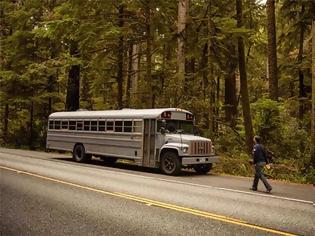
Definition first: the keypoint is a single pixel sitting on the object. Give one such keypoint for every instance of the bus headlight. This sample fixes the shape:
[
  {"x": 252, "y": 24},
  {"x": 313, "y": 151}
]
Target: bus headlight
[{"x": 185, "y": 149}]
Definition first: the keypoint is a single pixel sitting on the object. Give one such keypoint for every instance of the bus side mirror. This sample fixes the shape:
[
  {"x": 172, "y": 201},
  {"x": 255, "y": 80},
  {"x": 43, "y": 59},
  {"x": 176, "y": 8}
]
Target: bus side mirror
[
  {"x": 163, "y": 127},
  {"x": 162, "y": 130}
]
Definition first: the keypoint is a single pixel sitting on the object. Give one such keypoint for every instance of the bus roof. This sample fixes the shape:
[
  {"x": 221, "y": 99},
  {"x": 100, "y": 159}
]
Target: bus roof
[{"x": 115, "y": 114}]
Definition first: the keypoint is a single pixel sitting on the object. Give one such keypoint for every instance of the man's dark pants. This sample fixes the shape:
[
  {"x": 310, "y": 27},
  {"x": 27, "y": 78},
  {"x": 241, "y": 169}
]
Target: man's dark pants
[{"x": 260, "y": 175}]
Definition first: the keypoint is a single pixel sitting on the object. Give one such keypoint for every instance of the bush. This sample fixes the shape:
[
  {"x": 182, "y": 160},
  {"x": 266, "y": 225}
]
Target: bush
[{"x": 281, "y": 134}]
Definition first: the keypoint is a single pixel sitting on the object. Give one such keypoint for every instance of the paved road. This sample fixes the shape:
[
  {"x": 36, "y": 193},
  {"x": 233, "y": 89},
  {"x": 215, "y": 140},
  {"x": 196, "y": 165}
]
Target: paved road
[{"x": 46, "y": 193}]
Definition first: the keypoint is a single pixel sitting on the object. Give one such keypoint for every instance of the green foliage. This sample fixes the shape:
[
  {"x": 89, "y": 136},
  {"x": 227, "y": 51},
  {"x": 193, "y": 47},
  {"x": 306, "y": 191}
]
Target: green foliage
[
  {"x": 280, "y": 132},
  {"x": 36, "y": 37}
]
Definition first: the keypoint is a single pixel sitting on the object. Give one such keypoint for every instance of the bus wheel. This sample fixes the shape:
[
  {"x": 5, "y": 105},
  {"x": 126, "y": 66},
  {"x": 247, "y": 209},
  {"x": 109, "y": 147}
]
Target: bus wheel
[
  {"x": 79, "y": 154},
  {"x": 170, "y": 163},
  {"x": 109, "y": 160},
  {"x": 203, "y": 169}
]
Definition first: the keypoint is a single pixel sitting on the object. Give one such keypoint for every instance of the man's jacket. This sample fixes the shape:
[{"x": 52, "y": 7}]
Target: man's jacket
[{"x": 259, "y": 154}]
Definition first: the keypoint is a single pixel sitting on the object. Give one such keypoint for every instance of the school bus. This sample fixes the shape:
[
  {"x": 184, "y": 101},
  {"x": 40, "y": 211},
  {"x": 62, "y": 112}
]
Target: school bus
[{"x": 159, "y": 138}]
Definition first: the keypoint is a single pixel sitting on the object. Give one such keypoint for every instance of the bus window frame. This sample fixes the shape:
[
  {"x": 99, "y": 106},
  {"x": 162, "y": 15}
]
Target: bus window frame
[
  {"x": 75, "y": 125},
  {"x": 120, "y": 126},
  {"x": 62, "y": 125},
  {"x": 98, "y": 125},
  {"x": 82, "y": 125},
  {"x": 129, "y": 126},
  {"x": 134, "y": 126},
  {"x": 95, "y": 126},
  {"x": 112, "y": 126}
]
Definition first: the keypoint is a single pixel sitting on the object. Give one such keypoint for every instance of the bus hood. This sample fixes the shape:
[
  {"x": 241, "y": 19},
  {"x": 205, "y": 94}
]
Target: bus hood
[{"x": 185, "y": 138}]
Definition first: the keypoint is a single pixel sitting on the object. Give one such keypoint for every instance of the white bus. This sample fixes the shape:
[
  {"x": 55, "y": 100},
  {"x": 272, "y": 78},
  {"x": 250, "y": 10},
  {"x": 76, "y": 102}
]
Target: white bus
[{"x": 159, "y": 138}]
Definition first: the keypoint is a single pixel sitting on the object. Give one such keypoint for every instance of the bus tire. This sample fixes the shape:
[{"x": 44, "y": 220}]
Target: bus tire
[
  {"x": 203, "y": 168},
  {"x": 79, "y": 154},
  {"x": 170, "y": 163}
]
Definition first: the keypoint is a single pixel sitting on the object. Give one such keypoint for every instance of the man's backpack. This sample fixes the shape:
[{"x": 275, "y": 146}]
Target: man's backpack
[{"x": 269, "y": 156}]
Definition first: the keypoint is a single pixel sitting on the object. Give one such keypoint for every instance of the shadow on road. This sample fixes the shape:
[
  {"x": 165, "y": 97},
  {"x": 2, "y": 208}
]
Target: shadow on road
[{"x": 97, "y": 163}]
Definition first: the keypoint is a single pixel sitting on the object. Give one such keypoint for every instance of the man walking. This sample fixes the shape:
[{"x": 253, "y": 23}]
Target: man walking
[{"x": 260, "y": 160}]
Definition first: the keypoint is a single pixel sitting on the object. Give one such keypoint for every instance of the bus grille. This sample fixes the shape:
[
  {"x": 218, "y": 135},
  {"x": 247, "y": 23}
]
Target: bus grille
[{"x": 201, "y": 148}]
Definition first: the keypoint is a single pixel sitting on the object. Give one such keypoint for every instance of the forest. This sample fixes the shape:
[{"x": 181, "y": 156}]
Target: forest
[{"x": 243, "y": 67}]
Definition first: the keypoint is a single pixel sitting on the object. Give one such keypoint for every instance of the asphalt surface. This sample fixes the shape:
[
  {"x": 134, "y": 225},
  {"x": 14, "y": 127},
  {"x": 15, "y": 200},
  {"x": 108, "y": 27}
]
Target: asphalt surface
[{"x": 48, "y": 194}]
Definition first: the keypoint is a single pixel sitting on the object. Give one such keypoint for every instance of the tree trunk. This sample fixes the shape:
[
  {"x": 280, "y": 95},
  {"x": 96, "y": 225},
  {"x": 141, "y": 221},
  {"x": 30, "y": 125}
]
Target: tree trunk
[
  {"x": 272, "y": 50},
  {"x": 85, "y": 93},
  {"x": 230, "y": 97},
  {"x": 6, "y": 123},
  {"x": 52, "y": 80},
  {"x": 73, "y": 87},
  {"x": 129, "y": 77},
  {"x": 120, "y": 58},
  {"x": 313, "y": 94},
  {"x": 31, "y": 137},
  {"x": 50, "y": 89},
  {"x": 181, "y": 27},
  {"x": 203, "y": 68},
  {"x": 148, "y": 53},
  {"x": 243, "y": 81},
  {"x": 136, "y": 60},
  {"x": 207, "y": 114},
  {"x": 211, "y": 78},
  {"x": 230, "y": 87},
  {"x": 164, "y": 68},
  {"x": 190, "y": 64},
  {"x": 302, "y": 93}
]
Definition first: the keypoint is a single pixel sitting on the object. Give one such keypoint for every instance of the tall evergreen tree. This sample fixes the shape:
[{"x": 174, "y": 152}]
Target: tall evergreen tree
[
  {"x": 181, "y": 35},
  {"x": 272, "y": 50},
  {"x": 243, "y": 80},
  {"x": 313, "y": 95}
]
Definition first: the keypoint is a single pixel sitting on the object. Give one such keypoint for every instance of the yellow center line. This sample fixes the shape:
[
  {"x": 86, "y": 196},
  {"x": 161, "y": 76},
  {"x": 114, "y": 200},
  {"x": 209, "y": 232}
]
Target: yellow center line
[{"x": 151, "y": 202}]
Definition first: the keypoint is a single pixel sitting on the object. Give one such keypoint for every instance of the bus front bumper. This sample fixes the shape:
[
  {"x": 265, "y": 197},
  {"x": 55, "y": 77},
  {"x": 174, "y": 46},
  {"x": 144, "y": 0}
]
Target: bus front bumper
[{"x": 200, "y": 160}]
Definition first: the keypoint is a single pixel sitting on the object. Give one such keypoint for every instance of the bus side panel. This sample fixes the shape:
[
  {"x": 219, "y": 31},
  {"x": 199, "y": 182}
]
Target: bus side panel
[
  {"x": 107, "y": 144},
  {"x": 55, "y": 140}
]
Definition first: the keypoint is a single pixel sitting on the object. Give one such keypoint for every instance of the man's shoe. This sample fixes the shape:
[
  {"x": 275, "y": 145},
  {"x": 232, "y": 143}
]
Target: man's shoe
[
  {"x": 253, "y": 189},
  {"x": 269, "y": 190}
]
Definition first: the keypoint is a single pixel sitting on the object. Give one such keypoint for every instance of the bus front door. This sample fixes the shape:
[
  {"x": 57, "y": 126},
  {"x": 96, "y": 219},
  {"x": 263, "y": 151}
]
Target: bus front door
[{"x": 148, "y": 159}]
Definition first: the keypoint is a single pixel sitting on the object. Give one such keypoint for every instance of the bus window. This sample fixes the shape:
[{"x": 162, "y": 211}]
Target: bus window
[
  {"x": 101, "y": 125},
  {"x": 57, "y": 124},
  {"x": 94, "y": 125},
  {"x": 137, "y": 126},
  {"x": 87, "y": 125},
  {"x": 79, "y": 125},
  {"x": 64, "y": 125},
  {"x": 118, "y": 126},
  {"x": 72, "y": 125},
  {"x": 51, "y": 124},
  {"x": 127, "y": 126},
  {"x": 110, "y": 126}
]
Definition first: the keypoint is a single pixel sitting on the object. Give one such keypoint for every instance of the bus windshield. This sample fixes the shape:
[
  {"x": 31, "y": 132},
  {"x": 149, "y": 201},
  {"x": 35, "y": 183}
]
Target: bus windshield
[{"x": 174, "y": 126}]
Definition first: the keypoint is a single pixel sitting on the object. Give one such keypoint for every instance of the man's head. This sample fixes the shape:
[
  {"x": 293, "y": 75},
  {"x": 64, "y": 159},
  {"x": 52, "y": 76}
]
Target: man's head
[{"x": 257, "y": 139}]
